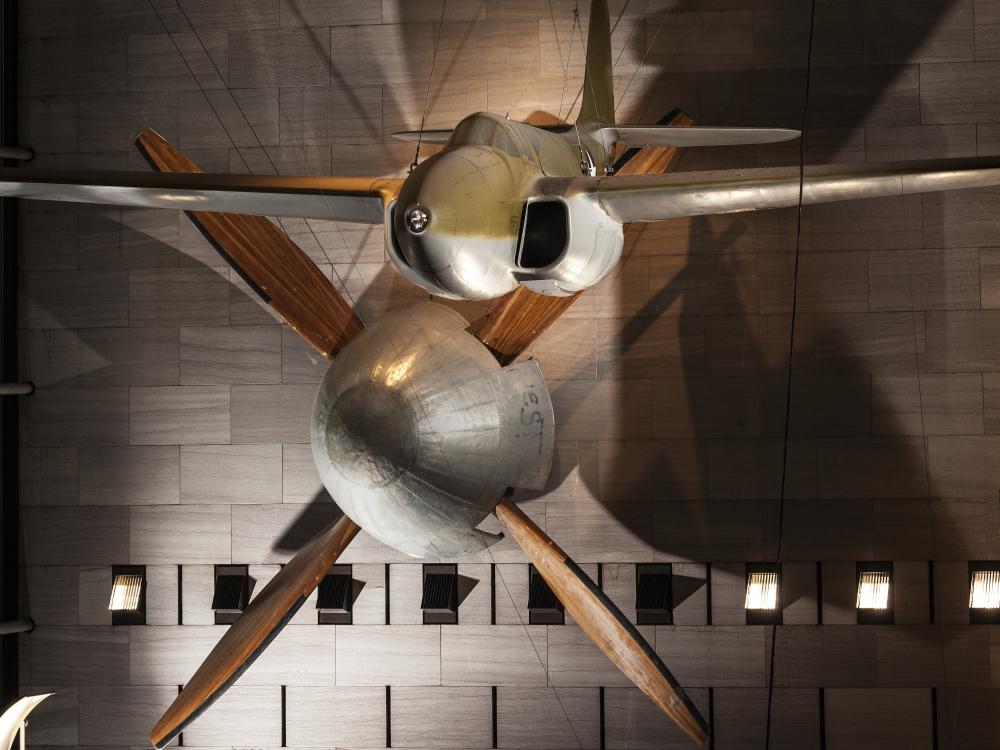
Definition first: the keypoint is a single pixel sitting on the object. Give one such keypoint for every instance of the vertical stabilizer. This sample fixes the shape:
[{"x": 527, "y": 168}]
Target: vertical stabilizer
[{"x": 598, "y": 98}]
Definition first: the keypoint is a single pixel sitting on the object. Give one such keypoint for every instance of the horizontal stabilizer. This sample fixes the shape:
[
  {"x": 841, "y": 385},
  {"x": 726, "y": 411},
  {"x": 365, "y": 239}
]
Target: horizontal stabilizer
[
  {"x": 642, "y": 136},
  {"x": 433, "y": 137},
  {"x": 667, "y": 196},
  {"x": 358, "y": 199}
]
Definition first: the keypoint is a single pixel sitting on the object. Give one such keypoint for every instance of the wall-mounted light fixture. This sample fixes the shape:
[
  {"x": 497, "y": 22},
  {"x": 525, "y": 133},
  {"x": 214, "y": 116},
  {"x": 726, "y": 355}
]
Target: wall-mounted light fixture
[
  {"x": 984, "y": 593},
  {"x": 874, "y": 600},
  {"x": 544, "y": 607},
  {"x": 439, "y": 598},
  {"x": 335, "y": 598},
  {"x": 128, "y": 595},
  {"x": 763, "y": 594},
  {"x": 232, "y": 592},
  {"x": 653, "y": 594}
]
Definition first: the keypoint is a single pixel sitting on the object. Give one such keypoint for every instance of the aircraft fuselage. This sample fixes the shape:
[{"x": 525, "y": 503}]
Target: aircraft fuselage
[{"x": 470, "y": 223}]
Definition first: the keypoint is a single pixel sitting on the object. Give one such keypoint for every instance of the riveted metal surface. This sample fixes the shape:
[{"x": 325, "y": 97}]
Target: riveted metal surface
[{"x": 417, "y": 431}]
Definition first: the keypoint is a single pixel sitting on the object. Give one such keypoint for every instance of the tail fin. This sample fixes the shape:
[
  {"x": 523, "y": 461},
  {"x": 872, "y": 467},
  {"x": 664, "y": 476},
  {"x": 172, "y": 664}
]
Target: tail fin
[{"x": 598, "y": 103}]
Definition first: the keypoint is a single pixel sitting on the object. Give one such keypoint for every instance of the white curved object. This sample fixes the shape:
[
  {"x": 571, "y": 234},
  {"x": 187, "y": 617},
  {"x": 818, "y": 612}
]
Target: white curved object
[{"x": 14, "y": 717}]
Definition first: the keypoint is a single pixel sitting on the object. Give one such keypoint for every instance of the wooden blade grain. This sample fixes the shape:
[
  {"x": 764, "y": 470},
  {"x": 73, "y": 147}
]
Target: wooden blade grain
[
  {"x": 603, "y": 622},
  {"x": 269, "y": 261},
  {"x": 262, "y": 620}
]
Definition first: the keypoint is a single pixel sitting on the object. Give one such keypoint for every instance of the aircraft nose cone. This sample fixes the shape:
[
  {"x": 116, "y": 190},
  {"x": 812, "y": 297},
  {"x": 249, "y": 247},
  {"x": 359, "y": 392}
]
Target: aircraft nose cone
[
  {"x": 456, "y": 223},
  {"x": 371, "y": 434}
]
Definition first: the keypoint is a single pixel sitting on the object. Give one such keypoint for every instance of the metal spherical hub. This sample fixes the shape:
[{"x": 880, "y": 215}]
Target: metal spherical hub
[
  {"x": 371, "y": 435},
  {"x": 417, "y": 431}
]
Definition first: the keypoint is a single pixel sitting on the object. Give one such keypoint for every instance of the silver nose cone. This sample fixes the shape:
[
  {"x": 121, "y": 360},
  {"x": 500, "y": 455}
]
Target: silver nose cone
[{"x": 417, "y": 431}]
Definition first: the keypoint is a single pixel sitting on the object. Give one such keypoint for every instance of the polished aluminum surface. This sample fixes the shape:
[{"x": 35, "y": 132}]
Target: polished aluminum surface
[
  {"x": 657, "y": 197},
  {"x": 641, "y": 136},
  {"x": 344, "y": 199},
  {"x": 469, "y": 200},
  {"x": 417, "y": 432}
]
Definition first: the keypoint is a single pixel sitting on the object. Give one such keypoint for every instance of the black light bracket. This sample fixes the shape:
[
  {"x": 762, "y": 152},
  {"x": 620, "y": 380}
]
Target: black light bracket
[
  {"x": 231, "y": 594},
  {"x": 654, "y": 594},
  {"x": 439, "y": 598},
  {"x": 335, "y": 598},
  {"x": 544, "y": 607}
]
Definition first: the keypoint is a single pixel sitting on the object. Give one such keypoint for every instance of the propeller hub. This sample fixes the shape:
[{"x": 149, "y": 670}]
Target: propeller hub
[
  {"x": 417, "y": 431},
  {"x": 371, "y": 434}
]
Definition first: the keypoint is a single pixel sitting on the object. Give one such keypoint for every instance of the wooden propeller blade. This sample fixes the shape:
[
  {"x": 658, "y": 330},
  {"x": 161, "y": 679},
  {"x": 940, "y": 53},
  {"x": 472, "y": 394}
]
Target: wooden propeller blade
[
  {"x": 603, "y": 622},
  {"x": 262, "y": 620},
  {"x": 273, "y": 265},
  {"x": 515, "y": 320}
]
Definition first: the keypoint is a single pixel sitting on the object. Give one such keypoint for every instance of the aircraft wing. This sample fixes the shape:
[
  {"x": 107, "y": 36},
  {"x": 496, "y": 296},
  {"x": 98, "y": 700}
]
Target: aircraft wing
[
  {"x": 268, "y": 260},
  {"x": 514, "y": 321},
  {"x": 657, "y": 197},
  {"x": 358, "y": 199},
  {"x": 665, "y": 135}
]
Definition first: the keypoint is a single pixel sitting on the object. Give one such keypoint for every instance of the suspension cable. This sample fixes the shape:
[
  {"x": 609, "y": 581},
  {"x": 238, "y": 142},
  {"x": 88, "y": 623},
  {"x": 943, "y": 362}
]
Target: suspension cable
[
  {"x": 430, "y": 80},
  {"x": 642, "y": 60},
  {"x": 791, "y": 354},
  {"x": 253, "y": 132}
]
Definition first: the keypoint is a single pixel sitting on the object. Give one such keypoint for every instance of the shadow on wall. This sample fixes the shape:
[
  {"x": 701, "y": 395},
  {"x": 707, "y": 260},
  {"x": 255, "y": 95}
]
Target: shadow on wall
[
  {"x": 700, "y": 479},
  {"x": 387, "y": 291},
  {"x": 728, "y": 380},
  {"x": 718, "y": 418}
]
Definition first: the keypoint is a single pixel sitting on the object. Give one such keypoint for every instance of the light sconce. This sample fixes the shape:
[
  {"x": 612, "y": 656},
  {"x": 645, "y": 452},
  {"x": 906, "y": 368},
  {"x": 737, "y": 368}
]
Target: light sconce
[
  {"x": 874, "y": 600},
  {"x": 335, "y": 598},
  {"x": 128, "y": 595},
  {"x": 763, "y": 589},
  {"x": 232, "y": 592},
  {"x": 654, "y": 594},
  {"x": 984, "y": 593},
  {"x": 544, "y": 607},
  {"x": 439, "y": 600}
]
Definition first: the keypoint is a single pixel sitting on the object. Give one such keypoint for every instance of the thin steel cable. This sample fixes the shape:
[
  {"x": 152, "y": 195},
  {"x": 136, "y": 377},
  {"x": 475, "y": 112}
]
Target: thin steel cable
[
  {"x": 569, "y": 61},
  {"x": 642, "y": 61},
  {"x": 564, "y": 65},
  {"x": 430, "y": 80},
  {"x": 635, "y": 26},
  {"x": 930, "y": 510},
  {"x": 527, "y": 634},
  {"x": 253, "y": 132},
  {"x": 295, "y": 136},
  {"x": 555, "y": 32},
  {"x": 791, "y": 355}
]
